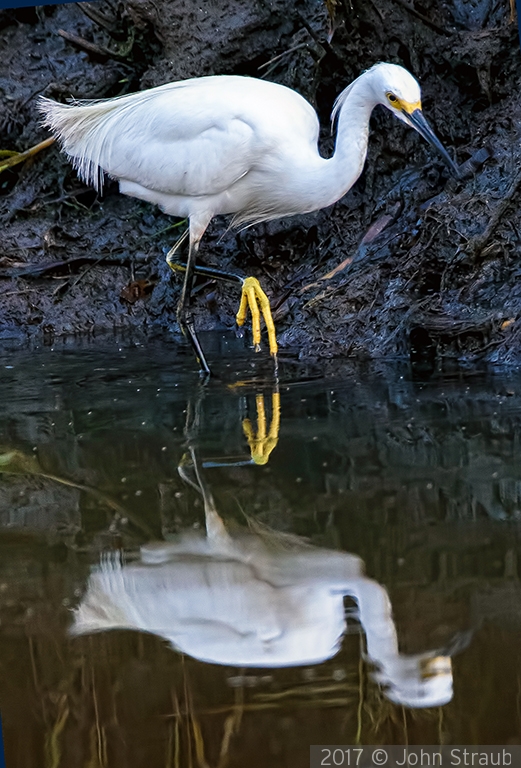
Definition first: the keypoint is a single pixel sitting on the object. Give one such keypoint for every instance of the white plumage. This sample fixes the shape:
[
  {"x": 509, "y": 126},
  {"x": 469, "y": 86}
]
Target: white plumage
[
  {"x": 243, "y": 602},
  {"x": 255, "y": 599},
  {"x": 226, "y": 144},
  {"x": 230, "y": 145}
]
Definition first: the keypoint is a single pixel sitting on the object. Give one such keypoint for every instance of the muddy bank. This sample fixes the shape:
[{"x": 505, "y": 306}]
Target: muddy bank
[{"x": 431, "y": 262}]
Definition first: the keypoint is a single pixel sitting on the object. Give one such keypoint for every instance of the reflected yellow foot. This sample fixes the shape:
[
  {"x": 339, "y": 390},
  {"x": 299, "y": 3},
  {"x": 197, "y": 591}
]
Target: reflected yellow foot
[
  {"x": 263, "y": 444},
  {"x": 254, "y": 297},
  {"x": 435, "y": 666}
]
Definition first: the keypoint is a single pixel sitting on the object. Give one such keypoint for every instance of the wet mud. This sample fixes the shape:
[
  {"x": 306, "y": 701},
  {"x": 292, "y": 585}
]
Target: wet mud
[{"x": 425, "y": 266}]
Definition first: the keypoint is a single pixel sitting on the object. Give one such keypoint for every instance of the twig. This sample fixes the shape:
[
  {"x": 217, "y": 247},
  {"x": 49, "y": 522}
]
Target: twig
[
  {"x": 17, "y": 293},
  {"x": 36, "y": 270},
  {"x": 412, "y": 10},
  {"x": 79, "y": 277},
  {"x": 92, "y": 48},
  {"x": 347, "y": 267},
  {"x": 281, "y": 55},
  {"x": 102, "y": 20},
  {"x": 19, "y": 157},
  {"x": 476, "y": 244},
  {"x": 372, "y": 233}
]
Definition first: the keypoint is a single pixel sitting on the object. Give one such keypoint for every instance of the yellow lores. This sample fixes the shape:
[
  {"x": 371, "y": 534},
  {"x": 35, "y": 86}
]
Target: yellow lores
[{"x": 405, "y": 106}]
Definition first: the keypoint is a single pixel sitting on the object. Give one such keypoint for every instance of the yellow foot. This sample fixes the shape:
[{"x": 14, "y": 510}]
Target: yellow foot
[
  {"x": 254, "y": 297},
  {"x": 263, "y": 444}
]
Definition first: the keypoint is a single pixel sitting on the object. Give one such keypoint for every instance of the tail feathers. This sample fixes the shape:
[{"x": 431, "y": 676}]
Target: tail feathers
[{"x": 83, "y": 131}]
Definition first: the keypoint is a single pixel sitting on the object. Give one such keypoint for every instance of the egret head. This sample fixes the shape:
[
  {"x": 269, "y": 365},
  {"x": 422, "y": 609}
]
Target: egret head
[{"x": 399, "y": 92}]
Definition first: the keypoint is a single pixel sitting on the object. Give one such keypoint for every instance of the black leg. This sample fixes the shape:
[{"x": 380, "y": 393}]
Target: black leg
[
  {"x": 184, "y": 318},
  {"x": 184, "y": 301},
  {"x": 252, "y": 297},
  {"x": 188, "y": 328},
  {"x": 211, "y": 272}
]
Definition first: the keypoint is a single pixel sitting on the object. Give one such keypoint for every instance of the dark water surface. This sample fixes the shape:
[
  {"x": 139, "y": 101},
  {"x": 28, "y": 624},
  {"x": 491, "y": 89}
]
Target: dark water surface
[{"x": 364, "y": 589}]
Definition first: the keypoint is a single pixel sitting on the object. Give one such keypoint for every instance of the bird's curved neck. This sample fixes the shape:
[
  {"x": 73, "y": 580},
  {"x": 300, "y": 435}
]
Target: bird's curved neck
[
  {"x": 336, "y": 175},
  {"x": 353, "y": 126}
]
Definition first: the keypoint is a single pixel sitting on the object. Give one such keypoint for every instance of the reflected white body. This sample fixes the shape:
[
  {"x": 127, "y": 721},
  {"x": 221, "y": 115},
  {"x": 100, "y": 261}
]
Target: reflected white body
[
  {"x": 226, "y": 144},
  {"x": 240, "y": 602}
]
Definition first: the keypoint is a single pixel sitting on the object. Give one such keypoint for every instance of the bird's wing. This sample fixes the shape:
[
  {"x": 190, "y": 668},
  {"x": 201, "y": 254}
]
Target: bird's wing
[
  {"x": 193, "y": 138},
  {"x": 177, "y": 145}
]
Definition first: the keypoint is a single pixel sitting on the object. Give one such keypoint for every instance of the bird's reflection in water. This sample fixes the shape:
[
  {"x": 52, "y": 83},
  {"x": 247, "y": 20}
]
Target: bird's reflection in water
[{"x": 256, "y": 599}]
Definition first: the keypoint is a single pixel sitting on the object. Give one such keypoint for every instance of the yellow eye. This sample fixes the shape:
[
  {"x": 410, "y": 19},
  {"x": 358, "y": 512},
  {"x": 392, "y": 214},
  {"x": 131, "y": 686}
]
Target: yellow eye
[{"x": 392, "y": 98}]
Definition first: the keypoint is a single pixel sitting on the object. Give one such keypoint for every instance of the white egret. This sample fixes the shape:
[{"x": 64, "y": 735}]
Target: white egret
[
  {"x": 231, "y": 145},
  {"x": 248, "y": 600}
]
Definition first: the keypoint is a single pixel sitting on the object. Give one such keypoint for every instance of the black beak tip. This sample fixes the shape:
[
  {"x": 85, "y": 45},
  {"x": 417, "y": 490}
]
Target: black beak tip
[
  {"x": 456, "y": 170},
  {"x": 417, "y": 121},
  {"x": 453, "y": 166}
]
